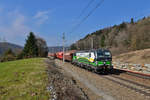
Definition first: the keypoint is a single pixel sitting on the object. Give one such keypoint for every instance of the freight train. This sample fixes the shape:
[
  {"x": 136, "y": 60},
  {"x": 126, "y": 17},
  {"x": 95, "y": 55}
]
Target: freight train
[{"x": 99, "y": 60}]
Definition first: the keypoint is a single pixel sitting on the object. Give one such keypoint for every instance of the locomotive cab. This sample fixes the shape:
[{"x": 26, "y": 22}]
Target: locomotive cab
[{"x": 104, "y": 60}]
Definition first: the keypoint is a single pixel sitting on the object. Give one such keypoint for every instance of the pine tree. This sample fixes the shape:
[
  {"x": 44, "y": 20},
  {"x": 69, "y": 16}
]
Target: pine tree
[
  {"x": 102, "y": 41},
  {"x": 132, "y": 21},
  {"x": 30, "y": 49}
]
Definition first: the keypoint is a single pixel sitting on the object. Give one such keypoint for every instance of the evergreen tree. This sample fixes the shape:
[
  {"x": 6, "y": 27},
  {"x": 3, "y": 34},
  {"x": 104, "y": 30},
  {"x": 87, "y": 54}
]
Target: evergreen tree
[
  {"x": 144, "y": 17},
  {"x": 30, "y": 49},
  {"x": 132, "y": 21},
  {"x": 103, "y": 41}
]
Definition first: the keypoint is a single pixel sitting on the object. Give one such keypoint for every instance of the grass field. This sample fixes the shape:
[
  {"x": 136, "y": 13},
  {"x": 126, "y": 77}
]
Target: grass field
[{"x": 23, "y": 80}]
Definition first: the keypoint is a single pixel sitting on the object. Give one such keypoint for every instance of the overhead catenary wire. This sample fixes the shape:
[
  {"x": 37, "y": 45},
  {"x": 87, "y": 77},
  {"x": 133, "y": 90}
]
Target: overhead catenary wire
[
  {"x": 86, "y": 17},
  {"x": 83, "y": 11}
]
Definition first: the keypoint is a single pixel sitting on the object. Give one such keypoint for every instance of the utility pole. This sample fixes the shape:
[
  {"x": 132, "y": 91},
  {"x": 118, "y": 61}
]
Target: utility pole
[
  {"x": 92, "y": 43},
  {"x": 63, "y": 47}
]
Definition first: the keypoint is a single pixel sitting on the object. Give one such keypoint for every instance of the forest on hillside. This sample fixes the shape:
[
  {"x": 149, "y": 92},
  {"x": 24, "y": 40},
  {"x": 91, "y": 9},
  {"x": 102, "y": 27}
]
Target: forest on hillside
[
  {"x": 4, "y": 46},
  {"x": 118, "y": 38}
]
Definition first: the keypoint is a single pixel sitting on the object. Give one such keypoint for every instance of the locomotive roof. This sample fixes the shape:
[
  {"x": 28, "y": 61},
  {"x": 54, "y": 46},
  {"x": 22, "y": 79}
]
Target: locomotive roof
[{"x": 92, "y": 50}]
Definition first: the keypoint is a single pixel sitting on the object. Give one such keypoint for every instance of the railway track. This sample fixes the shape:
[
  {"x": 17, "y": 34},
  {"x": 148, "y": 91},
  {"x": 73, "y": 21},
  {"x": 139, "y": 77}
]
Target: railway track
[
  {"x": 137, "y": 87},
  {"x": 141, "y": 85},
  {"x": 138, "y": 75},
  {"x": 140, "y": 88},
  {"x": 115, "y": 83}
]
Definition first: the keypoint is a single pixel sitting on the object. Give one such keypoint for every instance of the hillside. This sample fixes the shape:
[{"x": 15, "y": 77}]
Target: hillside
[
  {"x": 119, "y": 38},
  {"x": 4, "y": 46},
  {"x": 138, "y": 61},
  {"x": 136, "y": 57}
]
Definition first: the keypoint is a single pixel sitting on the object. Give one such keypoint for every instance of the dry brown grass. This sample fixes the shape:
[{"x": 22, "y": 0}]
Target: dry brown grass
[{"x": 137, "y": 57}]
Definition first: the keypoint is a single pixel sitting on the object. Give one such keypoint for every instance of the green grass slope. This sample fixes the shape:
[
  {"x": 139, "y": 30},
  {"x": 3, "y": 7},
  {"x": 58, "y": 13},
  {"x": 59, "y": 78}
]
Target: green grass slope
[{"x": 23, "y": 80}]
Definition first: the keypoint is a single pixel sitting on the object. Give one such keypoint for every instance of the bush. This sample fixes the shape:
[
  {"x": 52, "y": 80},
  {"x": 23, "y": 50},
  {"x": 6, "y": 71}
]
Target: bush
[
  {"x": 122, "y": 26},
  {"x": 8, "y": 56},
  {"x": 20, "y": 56},
  {"x": 0, "y": 59}
]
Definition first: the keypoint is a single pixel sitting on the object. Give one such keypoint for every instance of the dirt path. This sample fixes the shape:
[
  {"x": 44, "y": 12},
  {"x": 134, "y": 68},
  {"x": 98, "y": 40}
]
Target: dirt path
[{"x": 105, "y": 87}]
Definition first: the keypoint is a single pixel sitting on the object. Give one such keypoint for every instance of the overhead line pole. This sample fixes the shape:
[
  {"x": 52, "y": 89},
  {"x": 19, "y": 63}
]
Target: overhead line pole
[
  {"x": 63, "y": 47},
  {"x": 92, "y": 44}
]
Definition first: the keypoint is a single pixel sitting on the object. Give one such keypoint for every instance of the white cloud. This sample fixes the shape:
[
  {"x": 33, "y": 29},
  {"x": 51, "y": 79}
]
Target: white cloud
[
  {"x": 15, "y": 26},
  {"x": 16, "y": 29},
  {"x": 41, "y": 17},
  {"x": 41, "y": 14}
]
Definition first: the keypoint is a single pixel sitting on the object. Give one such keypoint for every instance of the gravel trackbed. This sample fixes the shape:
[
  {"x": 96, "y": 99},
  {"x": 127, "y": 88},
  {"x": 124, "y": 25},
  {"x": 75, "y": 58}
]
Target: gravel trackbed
[{"x": 118, "y": 86}]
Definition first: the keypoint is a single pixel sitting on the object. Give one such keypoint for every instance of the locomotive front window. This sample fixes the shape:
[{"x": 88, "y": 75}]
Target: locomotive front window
[
  {"x": 108, "y": 54},
  {"x": 100, "y": 54}
]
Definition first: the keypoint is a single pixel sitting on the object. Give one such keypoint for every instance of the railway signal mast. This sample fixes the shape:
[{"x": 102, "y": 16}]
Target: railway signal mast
[{"x": 63, "y": 47}]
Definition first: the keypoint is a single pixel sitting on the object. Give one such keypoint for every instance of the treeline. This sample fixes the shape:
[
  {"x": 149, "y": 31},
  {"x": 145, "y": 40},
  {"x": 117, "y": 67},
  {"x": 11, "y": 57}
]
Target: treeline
[
  {"x": 34, "y": 47},
  {"x": 118, "y": 38}
]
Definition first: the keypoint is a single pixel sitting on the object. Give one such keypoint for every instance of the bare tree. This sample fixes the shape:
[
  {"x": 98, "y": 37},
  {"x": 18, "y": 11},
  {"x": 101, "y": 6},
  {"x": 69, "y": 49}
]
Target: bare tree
[{"x": 42, "y": 47}]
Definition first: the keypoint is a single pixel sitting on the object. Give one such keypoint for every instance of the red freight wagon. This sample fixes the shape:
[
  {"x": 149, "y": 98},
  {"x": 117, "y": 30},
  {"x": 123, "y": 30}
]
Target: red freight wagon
[
  {"x": 59, "y": 55},
  {"x": 68, "y": 55},
  {"x": 51, "y": 55}
]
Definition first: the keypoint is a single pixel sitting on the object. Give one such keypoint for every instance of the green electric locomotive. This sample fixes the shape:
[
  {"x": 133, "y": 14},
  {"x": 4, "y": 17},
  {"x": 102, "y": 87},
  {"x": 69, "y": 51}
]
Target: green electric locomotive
[{"x": 97, "y": 60}]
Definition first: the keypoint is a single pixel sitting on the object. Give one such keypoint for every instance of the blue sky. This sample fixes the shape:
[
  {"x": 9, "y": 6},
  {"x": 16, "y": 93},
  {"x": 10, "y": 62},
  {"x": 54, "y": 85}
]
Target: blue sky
[{"x": 50, "y": 18}]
